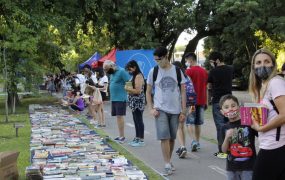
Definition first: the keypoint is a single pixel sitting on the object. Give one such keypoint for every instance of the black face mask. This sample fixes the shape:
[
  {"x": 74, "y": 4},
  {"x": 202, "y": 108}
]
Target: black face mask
[
  {"x": 131, "y": 73},
  {"x": 110, "y": 71},
  {"x": 263, "y": 72}
]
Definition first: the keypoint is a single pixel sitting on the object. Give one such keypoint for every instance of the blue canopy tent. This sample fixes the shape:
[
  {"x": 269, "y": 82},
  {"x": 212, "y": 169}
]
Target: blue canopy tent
[
  {"x": 95, "y": 57},
  {"x": 144, "y": 59}
]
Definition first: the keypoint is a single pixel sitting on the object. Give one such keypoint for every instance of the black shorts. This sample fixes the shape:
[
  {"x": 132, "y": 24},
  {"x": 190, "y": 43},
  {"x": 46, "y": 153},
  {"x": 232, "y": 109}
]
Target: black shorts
[
  {"x": 119, "y": 108},
  {"x": 104, "y": 96}
]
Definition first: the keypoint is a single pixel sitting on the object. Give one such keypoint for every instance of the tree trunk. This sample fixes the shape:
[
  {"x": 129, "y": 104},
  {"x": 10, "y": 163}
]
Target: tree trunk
[
  {"x": 13, "y": 101},
  {"x": 191, "y": 46}
]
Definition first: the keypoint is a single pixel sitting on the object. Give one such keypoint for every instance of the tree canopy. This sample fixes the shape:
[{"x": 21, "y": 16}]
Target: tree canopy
[{"x": 46, "y": 36}]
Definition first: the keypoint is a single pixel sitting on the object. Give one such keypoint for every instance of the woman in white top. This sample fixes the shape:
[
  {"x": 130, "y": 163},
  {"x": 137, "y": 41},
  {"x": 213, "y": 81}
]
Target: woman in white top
[
  {"x": 102, "y": 85},
  {"x": 268, "y": 88},
  {"x": 102, "y": 80}
]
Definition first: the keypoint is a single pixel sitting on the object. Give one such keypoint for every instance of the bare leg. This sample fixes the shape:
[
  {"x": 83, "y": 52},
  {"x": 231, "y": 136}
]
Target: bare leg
[
  {"x": 103, "y": 115},
  {"x": 121, "y": 125},
  {"x": 171, "y": 146},
  {"x": 191, "y": 131},
  {"x": 194, "y": 132},
  {"x": 181, "y": 134},
  {"x": 165, "y": 148},
  {"x": 197, "y": 132},
  {"x": 99, "y": 112}
]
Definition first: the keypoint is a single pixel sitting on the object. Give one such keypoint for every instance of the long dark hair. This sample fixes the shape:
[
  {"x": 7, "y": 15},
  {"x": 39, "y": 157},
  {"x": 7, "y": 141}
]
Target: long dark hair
[
  {"x": 100, "y": 71},
  {"x": 133, "y": 64}
]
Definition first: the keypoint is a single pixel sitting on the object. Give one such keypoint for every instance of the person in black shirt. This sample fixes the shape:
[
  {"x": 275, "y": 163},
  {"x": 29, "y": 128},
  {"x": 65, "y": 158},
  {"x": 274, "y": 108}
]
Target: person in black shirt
[
  {"x": 238, "y": 141},
  {"x": 220, "y": 83}
]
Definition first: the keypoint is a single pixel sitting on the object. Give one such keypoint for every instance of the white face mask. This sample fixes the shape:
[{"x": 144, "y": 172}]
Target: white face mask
[{"x": 187, "y": 64}]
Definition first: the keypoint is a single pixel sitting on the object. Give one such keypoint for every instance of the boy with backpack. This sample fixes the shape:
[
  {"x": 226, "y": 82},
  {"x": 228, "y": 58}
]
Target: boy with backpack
[
  {"x": 239, "y": 141},
  {"x": 195, "y": 119},
  {"x": 190, "y": 103}
]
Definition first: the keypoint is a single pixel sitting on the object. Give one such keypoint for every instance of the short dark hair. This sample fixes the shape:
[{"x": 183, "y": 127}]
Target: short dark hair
[
  {"x": 191, "y": 55},
  {"x": 216, "y": 55},
  {"x": 227, "y": 97},
  {"x": 160, "y": 51}
]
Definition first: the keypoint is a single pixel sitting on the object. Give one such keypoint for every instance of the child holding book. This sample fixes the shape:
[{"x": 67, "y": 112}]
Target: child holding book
[{"x": 238, "y": 141}]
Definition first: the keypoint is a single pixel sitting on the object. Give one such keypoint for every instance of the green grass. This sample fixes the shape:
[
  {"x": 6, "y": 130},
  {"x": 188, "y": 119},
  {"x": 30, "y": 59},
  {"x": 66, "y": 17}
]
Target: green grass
[
  {"x": 209, "y": 117},
  {"x": 9, "y": 141}
]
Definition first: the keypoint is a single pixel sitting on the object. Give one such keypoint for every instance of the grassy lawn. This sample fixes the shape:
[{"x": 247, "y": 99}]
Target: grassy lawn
[{"x": 9, "y": 141}]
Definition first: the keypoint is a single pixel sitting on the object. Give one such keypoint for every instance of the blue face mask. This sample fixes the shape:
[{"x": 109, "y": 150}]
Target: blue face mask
[
  {"x": 263, "y": 72},
  {"x": 131, "y": 73}
]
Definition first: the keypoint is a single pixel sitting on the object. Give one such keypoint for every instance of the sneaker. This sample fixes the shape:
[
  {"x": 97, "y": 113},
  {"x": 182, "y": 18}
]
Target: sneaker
[
  {"x": 133, "y": 141},
  {"x": 172, "y": 167},
  {"x": 194, "y": 146},
  {"x": 183, "y": 152},
  {"x": 120, "y": 140},
  {"x": 178, "y": 151},
  {"x": 221, "y": 155},
  {"x": 198, "y": 146},
  {"x": 138, "y": 143},
  {"x": 167, "y": 170}
]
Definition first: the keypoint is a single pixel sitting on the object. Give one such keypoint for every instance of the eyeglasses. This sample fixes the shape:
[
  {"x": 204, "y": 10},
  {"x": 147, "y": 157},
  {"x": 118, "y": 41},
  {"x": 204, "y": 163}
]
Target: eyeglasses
[{"x": 158, "y": 59}]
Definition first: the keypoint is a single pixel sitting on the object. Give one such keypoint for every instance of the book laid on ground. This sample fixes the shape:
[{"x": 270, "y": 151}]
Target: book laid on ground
[{"x": 250, "y": 111}]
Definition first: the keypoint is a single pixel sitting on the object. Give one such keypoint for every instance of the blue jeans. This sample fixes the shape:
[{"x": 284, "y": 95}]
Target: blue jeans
[
  {"x": 239, "y": 175},
  {"x": 220, "y": 121},
  {"x": 139, "y": 125}
]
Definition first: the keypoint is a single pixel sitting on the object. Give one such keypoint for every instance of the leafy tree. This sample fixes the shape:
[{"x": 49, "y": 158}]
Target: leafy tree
[{"x": 241, "y": 37}]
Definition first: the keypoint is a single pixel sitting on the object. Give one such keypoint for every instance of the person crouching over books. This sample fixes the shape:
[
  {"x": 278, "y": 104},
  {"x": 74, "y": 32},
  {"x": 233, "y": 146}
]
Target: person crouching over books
[
  {"x": 95, "y": 104},
  {"x": 77, "y": 103},
  {"x": 239, "y": 141}
]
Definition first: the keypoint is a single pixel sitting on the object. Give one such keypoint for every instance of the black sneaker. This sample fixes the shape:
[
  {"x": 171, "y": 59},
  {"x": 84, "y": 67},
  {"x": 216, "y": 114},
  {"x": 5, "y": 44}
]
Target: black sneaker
[
  {"x": 183, "y": 152},
  {"x": 178, "y": 151}
]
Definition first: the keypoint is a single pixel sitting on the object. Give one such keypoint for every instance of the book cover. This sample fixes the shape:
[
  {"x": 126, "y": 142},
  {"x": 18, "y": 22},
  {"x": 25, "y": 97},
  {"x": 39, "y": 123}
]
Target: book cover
[{"x": 252, "y": 111}]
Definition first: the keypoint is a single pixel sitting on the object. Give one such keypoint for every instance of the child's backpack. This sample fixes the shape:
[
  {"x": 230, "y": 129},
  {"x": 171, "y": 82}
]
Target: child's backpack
[{"x": 191, "y": 96}]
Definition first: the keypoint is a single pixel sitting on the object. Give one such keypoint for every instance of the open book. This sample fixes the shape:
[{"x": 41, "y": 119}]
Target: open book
[{"x": 251, "y": 111}]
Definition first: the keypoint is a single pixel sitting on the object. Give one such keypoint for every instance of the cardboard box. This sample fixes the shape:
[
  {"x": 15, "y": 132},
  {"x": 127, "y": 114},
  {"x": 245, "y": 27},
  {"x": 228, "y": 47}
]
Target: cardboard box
[{"x": 8, "y": 165}]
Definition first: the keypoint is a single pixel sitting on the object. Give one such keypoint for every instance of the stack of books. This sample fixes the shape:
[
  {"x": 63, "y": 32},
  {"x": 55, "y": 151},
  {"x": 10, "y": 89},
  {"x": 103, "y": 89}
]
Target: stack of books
[{"x": 62, "y": 147}]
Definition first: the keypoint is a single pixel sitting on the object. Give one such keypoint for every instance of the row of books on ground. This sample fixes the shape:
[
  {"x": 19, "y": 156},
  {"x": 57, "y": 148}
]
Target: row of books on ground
[{"x": 62, "y": 147}]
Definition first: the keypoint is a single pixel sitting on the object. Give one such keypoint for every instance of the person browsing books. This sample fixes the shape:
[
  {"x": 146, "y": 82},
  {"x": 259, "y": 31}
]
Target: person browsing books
[
  {"x": 268, "y": 88},
  {"x": 238, "y": 141},
  {"x": 136, "y": 101}
]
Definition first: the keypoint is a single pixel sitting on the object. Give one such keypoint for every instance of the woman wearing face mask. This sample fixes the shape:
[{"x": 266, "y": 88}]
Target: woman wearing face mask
[
  {"x": 136, "y": 101},
  {"x": 269, "y": 89}
]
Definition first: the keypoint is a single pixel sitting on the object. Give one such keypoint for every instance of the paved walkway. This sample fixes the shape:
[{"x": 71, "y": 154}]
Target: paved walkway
[{"x": 200, "y": 165}]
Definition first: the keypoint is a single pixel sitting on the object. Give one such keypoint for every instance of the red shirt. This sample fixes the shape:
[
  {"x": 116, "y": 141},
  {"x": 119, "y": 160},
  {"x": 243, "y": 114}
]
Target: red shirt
[{"x": 199, "y": 77}]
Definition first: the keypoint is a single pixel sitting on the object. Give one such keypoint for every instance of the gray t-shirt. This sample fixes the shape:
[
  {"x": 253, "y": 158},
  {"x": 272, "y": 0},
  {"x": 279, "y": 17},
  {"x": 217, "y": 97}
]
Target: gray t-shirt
[{"x": 167, "y": 96}]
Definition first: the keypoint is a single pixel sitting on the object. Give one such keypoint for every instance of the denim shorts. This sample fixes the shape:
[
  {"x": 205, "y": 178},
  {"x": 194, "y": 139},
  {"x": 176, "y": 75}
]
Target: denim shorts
[
  {"x": 233, "y": 175},
  {"x": 119, "y": 108},
  {"x": 196, "y": 117},
  {"x": 166, "y": 125}
]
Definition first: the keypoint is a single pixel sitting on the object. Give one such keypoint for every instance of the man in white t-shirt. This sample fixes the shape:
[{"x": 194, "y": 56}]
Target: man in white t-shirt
[{"x": 168, "y": 105}]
